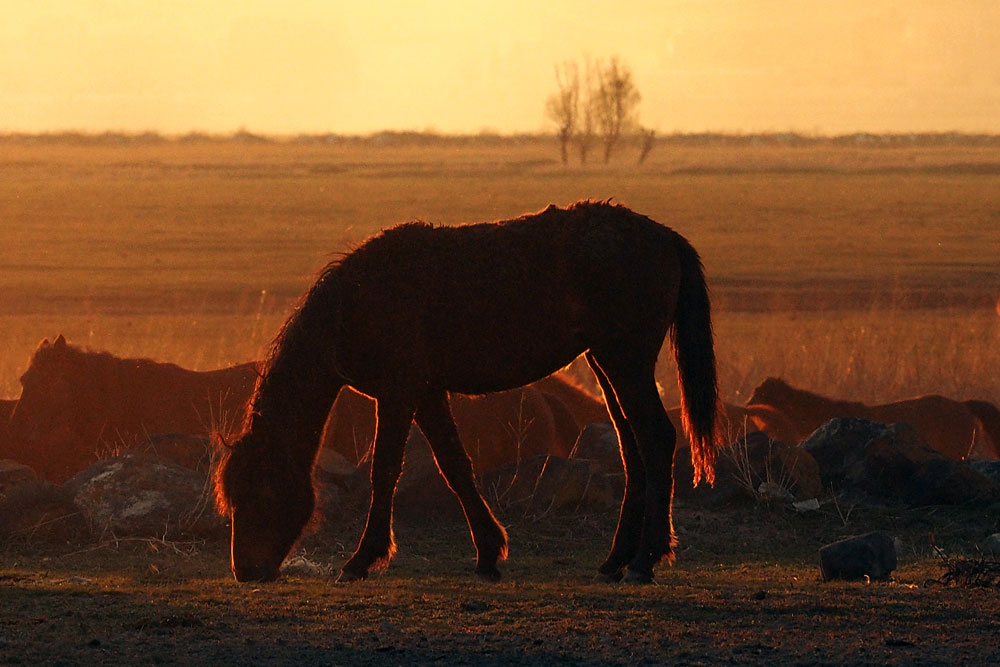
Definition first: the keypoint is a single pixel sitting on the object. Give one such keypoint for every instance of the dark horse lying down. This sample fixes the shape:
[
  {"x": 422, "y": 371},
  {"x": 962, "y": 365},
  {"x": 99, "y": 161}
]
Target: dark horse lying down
[{"x": 419, "y": 311}]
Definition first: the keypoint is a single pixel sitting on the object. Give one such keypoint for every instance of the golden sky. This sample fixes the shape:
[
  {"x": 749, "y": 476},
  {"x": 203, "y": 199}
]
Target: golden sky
[{"x": 463, "y": 66}]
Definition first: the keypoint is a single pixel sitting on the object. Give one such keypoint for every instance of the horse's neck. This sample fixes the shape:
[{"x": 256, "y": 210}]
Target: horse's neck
[{"x": 294, "y": 405}]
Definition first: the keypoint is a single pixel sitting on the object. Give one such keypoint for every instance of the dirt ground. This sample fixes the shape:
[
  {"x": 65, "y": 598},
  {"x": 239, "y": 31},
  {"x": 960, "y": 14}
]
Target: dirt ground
[{"x": 746, "y": 589}]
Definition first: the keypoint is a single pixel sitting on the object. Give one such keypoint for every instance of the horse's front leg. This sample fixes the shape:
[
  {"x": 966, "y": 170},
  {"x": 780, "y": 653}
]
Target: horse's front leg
[{"x": 377, "y": 545}]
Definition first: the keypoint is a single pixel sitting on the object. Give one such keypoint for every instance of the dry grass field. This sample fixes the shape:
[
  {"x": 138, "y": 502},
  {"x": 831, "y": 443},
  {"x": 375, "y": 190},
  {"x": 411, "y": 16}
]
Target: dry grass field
[{"x": 857, "y": 271}]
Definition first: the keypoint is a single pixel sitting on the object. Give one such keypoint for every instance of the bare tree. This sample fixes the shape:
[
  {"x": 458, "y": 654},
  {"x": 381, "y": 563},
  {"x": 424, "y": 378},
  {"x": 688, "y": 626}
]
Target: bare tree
[
  {"x": 585, "y": 131},
  {"x": 616, "y": 102},
  {"x": 562, "y": 107},
  {"x": 647, "y": 137}
]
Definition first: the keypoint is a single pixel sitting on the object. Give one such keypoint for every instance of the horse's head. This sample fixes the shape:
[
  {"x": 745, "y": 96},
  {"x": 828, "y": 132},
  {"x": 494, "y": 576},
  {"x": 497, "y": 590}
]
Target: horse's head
[
  {"x": 772, "y": 391},
  {"x": 268, "y": 506},
  {"x": 49, "y": 398}
]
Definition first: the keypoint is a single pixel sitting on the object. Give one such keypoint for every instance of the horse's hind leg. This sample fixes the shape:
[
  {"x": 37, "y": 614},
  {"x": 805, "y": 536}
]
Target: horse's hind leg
[
  {"x": 626, "y": 540},
  {"x": 631, "y": 377},
  {"x": 377, "y": 545},
  {"x": 435, "y": 420}
]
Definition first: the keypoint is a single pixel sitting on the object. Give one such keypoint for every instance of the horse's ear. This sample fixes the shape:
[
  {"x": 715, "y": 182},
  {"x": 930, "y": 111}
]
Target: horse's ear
[{"x": 60, "y": 341}]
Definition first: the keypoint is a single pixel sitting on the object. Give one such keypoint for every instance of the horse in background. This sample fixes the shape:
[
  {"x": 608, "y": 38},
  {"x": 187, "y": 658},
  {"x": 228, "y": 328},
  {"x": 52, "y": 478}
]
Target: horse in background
[
  {"x": 6, "y": 409},
  {"x": 418, "y": 312},
  {"x": 77, "y": 405},
  {"x": 956, "y": 429}
]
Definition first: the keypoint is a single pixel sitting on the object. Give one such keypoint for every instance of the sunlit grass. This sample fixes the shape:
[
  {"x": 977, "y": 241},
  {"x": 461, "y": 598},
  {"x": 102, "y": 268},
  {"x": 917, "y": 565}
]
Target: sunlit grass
[{"x": 194, "y": 253}]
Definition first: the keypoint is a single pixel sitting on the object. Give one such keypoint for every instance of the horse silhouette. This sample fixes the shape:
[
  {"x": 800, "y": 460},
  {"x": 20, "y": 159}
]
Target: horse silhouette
[
  {"x": 419, "y": 311},
  {"x": 956, "y": 429},
  {"x": 77, "y": 404}
]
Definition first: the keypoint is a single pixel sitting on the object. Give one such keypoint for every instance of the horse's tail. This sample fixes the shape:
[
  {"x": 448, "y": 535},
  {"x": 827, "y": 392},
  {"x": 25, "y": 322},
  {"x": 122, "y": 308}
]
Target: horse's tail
[
  {"x": 989, "y": 416},
  {"x": 692, "y": 339}
]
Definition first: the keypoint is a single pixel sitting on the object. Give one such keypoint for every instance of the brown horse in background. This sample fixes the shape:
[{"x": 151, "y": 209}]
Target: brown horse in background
[
  {"x": 6, "y": 409},
  {"x": 952, "y": 427},
  {"x": 419, "y": 311},
  {"x": 76, "y": 405}
]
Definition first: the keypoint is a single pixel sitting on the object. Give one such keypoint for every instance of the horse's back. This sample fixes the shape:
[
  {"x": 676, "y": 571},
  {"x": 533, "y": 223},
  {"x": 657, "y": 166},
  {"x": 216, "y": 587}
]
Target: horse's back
[
  {"x": 491, "y": 306},
  {"x": 946, "y": 424}
]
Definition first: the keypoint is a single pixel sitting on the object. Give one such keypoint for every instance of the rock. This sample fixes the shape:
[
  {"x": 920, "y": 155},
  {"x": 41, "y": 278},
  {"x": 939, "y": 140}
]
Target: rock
[
  {"x": 838, "y": 444},
  {"x": 872, "y": 555},
  {"x": 335, "y": 479},
  {"x": 992, "y": 546},
  {"x": 141, "y": 496},
  {"x": 333, "y": 464},
  {"x": 551, "y": 485},
  {"x": 810, "y": 505},
  {"x": 599, "y": 442},
  {"x": 13, "y": 474},
  {"x": 35, "y": 510},
  {"x": 988, "y": 469},
  {"x": 898, "y": 466},
  {"x": 421, "y": 487},
  {"x": 754, "y": 466}
]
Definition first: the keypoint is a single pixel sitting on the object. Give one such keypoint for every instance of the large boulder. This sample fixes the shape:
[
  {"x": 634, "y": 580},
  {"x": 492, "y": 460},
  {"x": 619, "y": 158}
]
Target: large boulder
[
  {"x": 872, "y": 555},
  {"x": 32, "y": 509},
  {"x": 839, "y": 444},
  {"x": 599, "y": 442},
  {"x": 992, "y": 546},
  {"x": 545, "y": 485},
  {"x": 421, "y": 487},
  {"x": 142, "y": 496},
  {"x": 898, "y": 466},
  {"x": 988, "y": 469}
]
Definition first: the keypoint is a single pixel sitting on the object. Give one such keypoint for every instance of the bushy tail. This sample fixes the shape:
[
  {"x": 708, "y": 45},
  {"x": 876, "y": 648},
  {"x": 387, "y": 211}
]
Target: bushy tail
[
  {"x": 692, "y": 339},
  {"x": 989, "y": 416}
]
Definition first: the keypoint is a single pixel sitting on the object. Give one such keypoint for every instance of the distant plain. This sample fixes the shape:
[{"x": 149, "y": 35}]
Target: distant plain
[{"x": 855, "y": 270}]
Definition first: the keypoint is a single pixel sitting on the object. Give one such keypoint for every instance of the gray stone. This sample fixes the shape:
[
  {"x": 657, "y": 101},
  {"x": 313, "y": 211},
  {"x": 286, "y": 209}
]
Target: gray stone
[
  {"x": 992, "y": 546},
  {"x": 34, "y": 510},
  {"x": 988, "y": 469},
  {"x": 599, "y": 442},
  {"x": 543, "y": 485},
  {"x": 872, "y": 555},
  {"x": 898, "y": 466},
  {"x": 141, "y": 496},
  {"x": 838, "y": 444}
]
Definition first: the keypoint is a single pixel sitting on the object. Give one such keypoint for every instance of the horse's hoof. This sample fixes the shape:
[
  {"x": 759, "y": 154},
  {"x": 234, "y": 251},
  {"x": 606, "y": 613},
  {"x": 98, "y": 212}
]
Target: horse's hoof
[
  {"x": 347, "y": 576},
  {"x": 488, "y": 573},
  {"x": 636, "y": 577},
  {"x": 608, "y": 577}
]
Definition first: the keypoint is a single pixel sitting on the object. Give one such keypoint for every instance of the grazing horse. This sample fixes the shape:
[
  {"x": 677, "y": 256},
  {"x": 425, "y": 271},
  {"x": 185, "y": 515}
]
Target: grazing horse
[
  {"x": 953, "y": 428},
  {"x": 419, "y": 311},
  {"x": 78, "y": 403}
]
